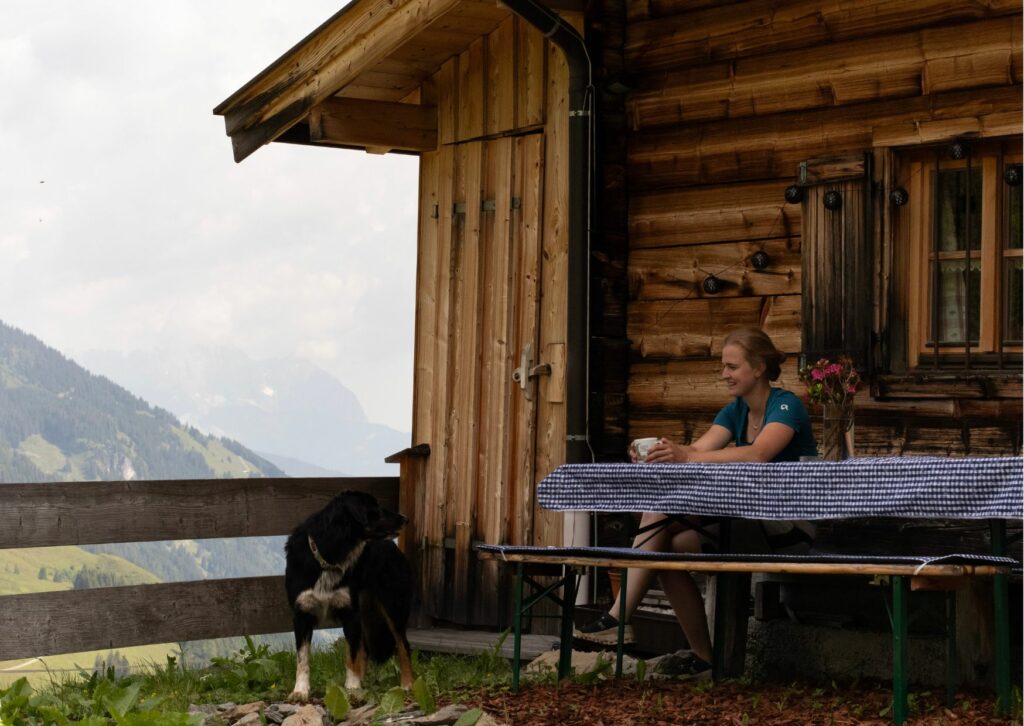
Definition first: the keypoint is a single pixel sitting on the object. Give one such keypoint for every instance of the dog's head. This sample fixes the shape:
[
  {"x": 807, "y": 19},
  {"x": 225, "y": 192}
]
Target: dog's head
[{"x": 359, "y": 516}]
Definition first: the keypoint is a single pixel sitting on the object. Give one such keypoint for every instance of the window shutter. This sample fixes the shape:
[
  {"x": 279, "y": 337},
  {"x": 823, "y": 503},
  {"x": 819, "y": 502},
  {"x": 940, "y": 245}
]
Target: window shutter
[{"x": 836, "y": 255}]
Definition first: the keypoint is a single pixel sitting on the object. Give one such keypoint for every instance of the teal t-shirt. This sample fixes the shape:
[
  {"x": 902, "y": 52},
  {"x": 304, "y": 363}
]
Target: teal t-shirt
[{"x": 782, "y": 407}]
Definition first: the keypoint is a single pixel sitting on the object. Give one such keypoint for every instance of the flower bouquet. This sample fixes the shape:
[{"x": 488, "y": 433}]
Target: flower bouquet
[{"x": 833, "y": 384}]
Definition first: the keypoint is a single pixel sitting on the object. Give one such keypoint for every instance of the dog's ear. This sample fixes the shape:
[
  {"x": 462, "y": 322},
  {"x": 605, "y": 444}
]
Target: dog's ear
[{"x": 357, "y": 510}]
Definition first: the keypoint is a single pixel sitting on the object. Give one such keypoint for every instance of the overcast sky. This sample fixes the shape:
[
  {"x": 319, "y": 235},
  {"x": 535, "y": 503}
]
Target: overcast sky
[{"x": 126, "y": 225}]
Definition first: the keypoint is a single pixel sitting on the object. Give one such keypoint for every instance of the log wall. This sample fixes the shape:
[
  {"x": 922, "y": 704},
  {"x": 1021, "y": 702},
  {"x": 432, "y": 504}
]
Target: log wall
[{"x": 728, "y": 99}]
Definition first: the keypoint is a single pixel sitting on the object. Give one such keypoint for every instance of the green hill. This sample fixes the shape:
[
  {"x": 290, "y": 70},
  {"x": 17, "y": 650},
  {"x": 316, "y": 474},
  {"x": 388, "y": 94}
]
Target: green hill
[
  {"x": 62, "y": 423},
  {"x": 45, "y": 569}
]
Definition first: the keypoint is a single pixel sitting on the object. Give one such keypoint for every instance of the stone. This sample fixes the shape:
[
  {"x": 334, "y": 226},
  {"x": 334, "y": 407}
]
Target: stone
[
  {"x": 250, "y": 719},
  {"x": 278, "y": 712},
  {"x": 582, "y": 662},
  {"x": 488, "y": 720},
  {"x": 360, "y": 716},
  {"x": 207, "y": 712},
  {"x": 233, "y": 714},
  {"x": 447, "y": 715},
  {"x": 308, "y": 715}
]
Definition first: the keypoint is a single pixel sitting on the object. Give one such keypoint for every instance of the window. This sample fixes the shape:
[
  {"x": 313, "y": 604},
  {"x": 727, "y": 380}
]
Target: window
[{"x": 963, "y": 228}]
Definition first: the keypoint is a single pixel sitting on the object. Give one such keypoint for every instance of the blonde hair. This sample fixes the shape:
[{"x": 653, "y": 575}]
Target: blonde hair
[{"x": 758, "y": 348}]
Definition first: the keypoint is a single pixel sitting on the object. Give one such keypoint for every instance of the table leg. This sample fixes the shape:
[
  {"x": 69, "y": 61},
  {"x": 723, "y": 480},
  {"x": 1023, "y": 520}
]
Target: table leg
[
  {"x": 732, "y": 601},
  {"x": 899, "y": 649},
  {"x": 517, "y": 638},
  {"x": 951, "y": 659},
  {"x": 1001, "y": 596}
]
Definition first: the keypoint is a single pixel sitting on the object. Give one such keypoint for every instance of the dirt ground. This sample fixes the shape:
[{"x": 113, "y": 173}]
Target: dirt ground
[{"x": 625, "y": 702}]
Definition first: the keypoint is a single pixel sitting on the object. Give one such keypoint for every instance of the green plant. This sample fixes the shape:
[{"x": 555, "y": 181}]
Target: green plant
[
  {"x": 393, "y": 701},
  {"x": 251, "y": 668},
  {"x": 602, "y": 669},
  {"x": 94, "y": 702},
  {"x": 423, "y": 696},
  {"x": 470, "y": 717},
  {"x": 641, "y": 670},
  {"x": 336, "y": 701}
]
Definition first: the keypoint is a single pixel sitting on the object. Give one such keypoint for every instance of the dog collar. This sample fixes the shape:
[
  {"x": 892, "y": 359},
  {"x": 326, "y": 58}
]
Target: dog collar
[{"x": 324, "y": 564}]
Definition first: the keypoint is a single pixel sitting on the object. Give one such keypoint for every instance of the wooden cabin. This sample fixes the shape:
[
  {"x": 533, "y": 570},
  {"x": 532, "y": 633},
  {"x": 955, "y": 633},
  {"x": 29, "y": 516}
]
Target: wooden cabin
[{"x": 607, "y": 187}]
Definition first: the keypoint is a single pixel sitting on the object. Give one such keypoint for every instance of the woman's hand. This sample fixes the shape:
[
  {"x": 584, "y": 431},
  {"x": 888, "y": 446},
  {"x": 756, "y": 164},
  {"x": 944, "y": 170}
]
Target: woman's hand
[
  {"x": 666, "y": 452},
  {"x": 633, "y": 455}
]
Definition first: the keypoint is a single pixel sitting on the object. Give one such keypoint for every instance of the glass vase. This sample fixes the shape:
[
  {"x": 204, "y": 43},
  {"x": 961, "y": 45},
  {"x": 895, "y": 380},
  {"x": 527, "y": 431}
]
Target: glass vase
[{"x": 836, "y": 432}]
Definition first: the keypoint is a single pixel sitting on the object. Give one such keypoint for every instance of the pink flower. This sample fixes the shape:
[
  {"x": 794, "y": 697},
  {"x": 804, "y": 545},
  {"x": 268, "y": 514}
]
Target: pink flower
[
  {"x": 833, "y": 369},
  {"x": 817, "y": 375},
  {"x": 851, "y": 389}
]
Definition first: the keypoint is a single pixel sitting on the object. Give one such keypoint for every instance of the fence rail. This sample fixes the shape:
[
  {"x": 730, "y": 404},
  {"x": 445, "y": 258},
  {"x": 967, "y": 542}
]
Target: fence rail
[{"x": 43, "y": 515}]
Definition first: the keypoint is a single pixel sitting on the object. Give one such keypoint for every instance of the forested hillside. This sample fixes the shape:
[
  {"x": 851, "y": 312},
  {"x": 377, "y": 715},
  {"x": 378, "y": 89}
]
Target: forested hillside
[
  {"x": 61, "y": 423},
  {"x": 58, "y": 422}
]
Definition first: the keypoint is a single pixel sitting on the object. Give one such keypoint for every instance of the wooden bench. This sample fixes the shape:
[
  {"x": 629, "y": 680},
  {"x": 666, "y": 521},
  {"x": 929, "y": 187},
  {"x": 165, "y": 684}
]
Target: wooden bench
[{"x": 904, "y": 573}]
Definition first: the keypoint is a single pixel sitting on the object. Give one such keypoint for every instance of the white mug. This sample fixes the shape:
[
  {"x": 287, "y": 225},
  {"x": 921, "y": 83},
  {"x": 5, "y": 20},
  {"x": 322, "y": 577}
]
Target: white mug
[{"x": 642, "y": 446}]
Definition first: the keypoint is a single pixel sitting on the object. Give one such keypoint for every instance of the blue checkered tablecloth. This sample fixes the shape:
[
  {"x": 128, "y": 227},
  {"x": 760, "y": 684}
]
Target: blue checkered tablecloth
[{"x": 927, "y": 487}]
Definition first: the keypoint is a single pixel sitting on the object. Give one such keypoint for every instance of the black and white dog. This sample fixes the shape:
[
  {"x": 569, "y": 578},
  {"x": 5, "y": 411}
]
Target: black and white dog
[{"x": 342, "y": 568}]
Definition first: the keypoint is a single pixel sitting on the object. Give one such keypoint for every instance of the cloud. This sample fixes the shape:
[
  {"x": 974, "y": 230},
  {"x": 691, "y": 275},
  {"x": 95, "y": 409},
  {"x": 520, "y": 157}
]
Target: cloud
[{"x": 144, "y": 231}]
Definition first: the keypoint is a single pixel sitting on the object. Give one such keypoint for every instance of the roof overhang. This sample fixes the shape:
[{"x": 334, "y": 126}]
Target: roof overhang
[{"x": 354, "y": 81}]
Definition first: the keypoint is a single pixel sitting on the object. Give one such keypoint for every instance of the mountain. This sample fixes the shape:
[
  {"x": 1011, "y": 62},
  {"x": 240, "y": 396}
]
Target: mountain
[
  {"x": 286, "y": 407},
  {"x": 60, "y": 422}
]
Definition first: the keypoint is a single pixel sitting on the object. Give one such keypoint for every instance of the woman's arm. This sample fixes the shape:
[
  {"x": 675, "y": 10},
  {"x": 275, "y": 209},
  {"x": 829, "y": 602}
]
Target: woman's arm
[
  {"x": 665, "y": 451},
  {"x": 768, "y": 444},
  {"x": 710, "y": 448}
]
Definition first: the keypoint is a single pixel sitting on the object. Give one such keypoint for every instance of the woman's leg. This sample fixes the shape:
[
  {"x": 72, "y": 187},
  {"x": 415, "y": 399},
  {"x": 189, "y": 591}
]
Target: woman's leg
[
  {"x": 639, "y": 580},
  {"x": 685, "y": 597}
]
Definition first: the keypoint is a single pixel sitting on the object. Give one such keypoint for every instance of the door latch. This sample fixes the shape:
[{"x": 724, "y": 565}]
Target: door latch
[{"x": 527, "y": 370}]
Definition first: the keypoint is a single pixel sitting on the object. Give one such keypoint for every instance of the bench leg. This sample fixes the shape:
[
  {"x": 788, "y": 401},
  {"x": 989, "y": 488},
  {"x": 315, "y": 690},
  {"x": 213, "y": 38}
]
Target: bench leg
[
  {"x": 568, "y": 611},
  {"x": 517, "y": 638},
  {"x": 1001, "y": 596},
  {"x": 951, "y": 659},
  {"x": 899, "y": 649}
]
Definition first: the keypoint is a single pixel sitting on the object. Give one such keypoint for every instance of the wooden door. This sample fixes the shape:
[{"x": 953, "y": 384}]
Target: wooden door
[{"x": 478, "y": 296}]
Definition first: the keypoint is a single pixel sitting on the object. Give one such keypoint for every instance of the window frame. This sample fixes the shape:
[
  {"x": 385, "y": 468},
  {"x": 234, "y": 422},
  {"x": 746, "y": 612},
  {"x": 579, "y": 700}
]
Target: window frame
[{"x": 916, "y": 173}]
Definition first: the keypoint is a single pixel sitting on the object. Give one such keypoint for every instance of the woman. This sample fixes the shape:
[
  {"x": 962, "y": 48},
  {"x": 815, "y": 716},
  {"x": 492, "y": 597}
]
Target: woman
[{"x": 766, "y": 424}]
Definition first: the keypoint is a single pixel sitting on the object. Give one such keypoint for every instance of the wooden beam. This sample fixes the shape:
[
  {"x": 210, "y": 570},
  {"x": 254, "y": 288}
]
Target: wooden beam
[
  {"x": 720, "y": 32},
  {"x": 771, "y": 147},
  {"x": 876, "y": 67},
  {"x": 76, "y": 513},
  {"x": 353, "y": 41},
  {"x": 374, "y": 124},
  {"x": 719, "y": 213},
  {"x": 72, "y": 621},
  {"x": 794, "y": 568},
  {"x": 678, "y": 273}
]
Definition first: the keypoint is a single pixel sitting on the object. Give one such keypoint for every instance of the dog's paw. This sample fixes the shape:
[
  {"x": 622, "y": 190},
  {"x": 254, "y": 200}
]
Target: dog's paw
[
  {"x": 353, "y": 682},
  {"x": 298, "y": 697}
]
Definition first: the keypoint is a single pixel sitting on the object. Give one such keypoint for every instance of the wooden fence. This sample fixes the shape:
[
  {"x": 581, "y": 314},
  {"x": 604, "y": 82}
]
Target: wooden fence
[{"x": 47, "y": 515}]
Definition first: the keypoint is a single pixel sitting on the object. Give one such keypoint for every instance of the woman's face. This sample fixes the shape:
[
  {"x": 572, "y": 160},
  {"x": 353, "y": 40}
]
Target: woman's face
[{"x": 740, "y": 377}]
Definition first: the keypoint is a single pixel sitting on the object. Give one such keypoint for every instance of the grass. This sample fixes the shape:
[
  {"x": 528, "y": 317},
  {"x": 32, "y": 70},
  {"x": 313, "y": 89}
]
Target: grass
[
  {"x": 160, "y": 694},
  {"x": 47, "y": 457}
]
